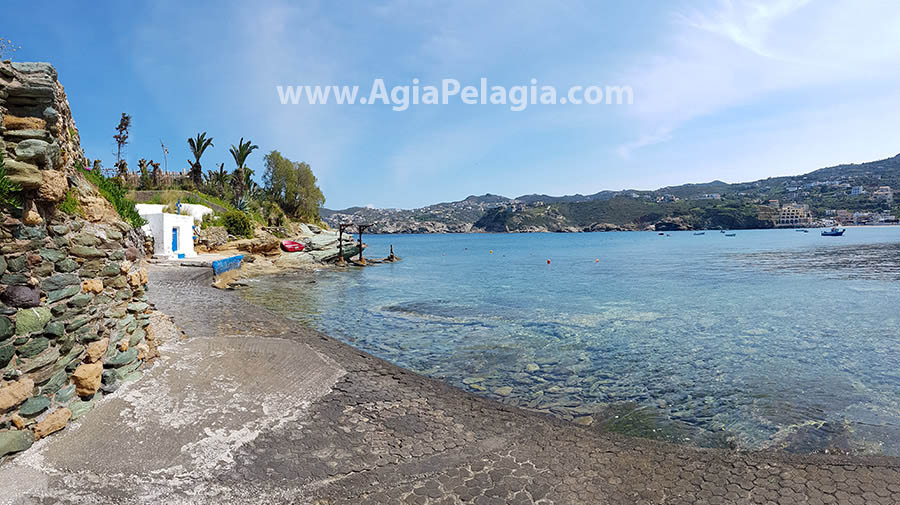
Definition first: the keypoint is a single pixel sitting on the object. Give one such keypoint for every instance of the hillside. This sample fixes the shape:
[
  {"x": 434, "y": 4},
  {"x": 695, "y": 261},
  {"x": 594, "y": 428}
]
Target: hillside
[{"x": 713, "y": 204}]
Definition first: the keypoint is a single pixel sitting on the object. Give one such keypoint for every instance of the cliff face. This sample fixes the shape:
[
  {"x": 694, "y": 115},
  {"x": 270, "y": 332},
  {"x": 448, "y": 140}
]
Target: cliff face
[{"x": 73, "y": 312}]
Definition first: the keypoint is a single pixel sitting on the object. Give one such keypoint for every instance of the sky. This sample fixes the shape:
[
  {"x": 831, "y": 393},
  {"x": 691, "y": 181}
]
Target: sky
[{"x": 728, "y": 90}]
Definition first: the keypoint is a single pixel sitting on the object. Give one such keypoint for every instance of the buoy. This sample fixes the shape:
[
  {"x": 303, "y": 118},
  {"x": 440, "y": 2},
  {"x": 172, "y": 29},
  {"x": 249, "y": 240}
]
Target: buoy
[
  {"x": 597, "y": 260},
  {"x": 492, "y": 251},
  {"x": 548, "y": 262}
]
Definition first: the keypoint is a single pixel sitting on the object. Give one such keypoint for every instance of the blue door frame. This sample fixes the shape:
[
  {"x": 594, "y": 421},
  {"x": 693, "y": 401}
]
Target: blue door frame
[{"x": 174, "y": 239}]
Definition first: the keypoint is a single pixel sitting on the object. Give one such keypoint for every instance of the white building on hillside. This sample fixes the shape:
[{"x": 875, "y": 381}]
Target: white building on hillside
[{"x": 173, "y": 234}]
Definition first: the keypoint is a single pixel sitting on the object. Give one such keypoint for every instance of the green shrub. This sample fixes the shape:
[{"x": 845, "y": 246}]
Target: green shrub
[
  {"x": 117, "y": 195},
  {"x": 238, "y": 224},
  {"x": 8, "y": 190},
  {"x": 70, "y": 204}
]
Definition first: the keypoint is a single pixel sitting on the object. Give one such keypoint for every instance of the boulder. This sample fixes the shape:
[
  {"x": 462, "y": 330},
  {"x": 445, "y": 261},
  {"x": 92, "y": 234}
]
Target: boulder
[
  {"x": 14, "y": 393},
  {"x": 32, "y": 320},
  {"x": 96, "y": 350},
  {"x": 15, "y": 441},
  {"x": 87, "y": 378},
  {"x": 92, "y": 286},
  {"x": 30, "y": 215},
  {"x": 11, "y": 122},
  {"x": 54, "y": 422},
  {"x": 39, "y": 152},
  {"x": 21, "y": 296},
  {"x": 24, "y": 174},
  {"x": 54, "y": 186}
]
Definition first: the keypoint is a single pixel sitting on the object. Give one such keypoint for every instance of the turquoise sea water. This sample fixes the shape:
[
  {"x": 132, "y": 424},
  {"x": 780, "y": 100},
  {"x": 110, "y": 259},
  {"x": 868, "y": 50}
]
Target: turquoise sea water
[{"x": 771, "y": 338}]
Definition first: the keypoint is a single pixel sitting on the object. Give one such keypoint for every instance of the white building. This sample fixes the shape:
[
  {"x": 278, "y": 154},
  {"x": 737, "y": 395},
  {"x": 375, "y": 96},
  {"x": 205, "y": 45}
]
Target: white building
[{"x": 173, "y": 234}]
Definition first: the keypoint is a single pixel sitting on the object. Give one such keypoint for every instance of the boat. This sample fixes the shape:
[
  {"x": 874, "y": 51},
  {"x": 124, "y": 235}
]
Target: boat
[
  {"x": 291, "y": 246},
  {"x": 730, "y": 234},
  {"x": 721, "y": 231},
  {"x": 834, "y": 232},
  {"x": 803, "y": 231},
  {"x": 660, "y": 233},
  {"x": 700, "y": 233}
]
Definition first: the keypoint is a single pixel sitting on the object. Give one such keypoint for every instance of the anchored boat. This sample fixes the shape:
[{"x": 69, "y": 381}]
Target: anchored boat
[{"x": 834, "y": 232}]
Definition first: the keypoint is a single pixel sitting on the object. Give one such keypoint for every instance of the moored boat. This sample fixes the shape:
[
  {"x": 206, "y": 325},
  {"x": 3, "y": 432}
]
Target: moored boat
[
  {"x": 291, "y": 246},
  {"x": 834, "y": 232}
]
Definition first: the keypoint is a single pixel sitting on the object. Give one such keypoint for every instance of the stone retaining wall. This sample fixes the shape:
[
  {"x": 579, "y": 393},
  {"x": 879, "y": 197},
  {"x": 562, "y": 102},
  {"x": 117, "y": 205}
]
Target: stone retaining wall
[{"x": 73, "y": 312}]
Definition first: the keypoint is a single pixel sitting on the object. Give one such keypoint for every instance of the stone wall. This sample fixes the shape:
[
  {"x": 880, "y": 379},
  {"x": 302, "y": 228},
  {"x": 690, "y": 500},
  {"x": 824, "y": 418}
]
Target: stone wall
[{"x": 73, "y": 312}]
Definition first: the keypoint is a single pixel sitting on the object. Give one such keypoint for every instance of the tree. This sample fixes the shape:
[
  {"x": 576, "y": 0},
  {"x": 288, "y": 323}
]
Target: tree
[
  {"x": 154, "y": 174},
  {"x": 240, "y": 154},
  {"x": 121, "y": 138},
  {"x": 145, "y": 174},
  {"x": 219, "y": 180},
  {"x": 198, "y": 145},
  {"x": 293, "y": 186}
]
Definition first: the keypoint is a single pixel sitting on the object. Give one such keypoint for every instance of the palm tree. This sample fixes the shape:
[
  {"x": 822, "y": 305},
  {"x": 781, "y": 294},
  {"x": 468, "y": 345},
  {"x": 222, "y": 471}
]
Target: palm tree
[
  {"x": 219, "y": 180},
  {"x": 198, "y": 145},
  {"x": 240, "y": 154}
]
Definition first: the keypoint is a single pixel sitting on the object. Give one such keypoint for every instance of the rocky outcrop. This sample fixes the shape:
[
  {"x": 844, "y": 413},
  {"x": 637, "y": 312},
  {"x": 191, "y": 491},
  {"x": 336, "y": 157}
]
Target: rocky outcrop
[{"x": 72, "y": 287}]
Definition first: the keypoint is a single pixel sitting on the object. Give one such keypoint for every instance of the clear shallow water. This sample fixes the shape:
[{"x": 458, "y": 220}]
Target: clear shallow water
[{"x": 772, "y": 338}]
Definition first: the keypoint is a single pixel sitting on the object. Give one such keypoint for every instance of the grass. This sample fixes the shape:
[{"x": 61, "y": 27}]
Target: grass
[
  {"x": 113, "y": 191},
  {"x": 70, "y": 204},
  {"x": 8, "y": 190}
]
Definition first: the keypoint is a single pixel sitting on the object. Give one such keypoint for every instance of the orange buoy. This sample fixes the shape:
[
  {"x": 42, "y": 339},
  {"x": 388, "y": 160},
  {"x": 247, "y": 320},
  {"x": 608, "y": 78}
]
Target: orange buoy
[{"x": 597, "y": 260}]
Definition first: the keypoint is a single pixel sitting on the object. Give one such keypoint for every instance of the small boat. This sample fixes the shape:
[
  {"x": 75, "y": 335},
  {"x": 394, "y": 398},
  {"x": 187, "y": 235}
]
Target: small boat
[
  {"x": 802, "y": 231},
  {"x": 731, "y": 234},
  {"x": 834, "y": 232},
  {"x": 700, "y": 233},
  {"x": 291, "y": 246},
  {"x": 660, "y": 233},
  {"x": 721, "y": 231}
]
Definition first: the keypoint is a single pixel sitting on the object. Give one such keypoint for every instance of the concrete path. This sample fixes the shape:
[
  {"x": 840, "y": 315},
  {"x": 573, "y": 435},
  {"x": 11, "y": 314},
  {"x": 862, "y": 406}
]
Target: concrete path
[{"x": 254, "y": 409}]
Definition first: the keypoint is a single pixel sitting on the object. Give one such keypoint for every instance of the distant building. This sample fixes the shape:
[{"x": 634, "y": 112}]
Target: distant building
[
  {"x": 710, "y": 196},
  {"x": 774, "y": 203},
  {"x": 884, "y": 194},
  {"x": 857, "y": 190},
  {"x": 794, "y": 215}
]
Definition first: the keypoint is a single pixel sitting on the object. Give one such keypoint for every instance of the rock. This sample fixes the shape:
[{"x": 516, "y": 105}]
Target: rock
[
  {"x": 34, "y": 406},
  {"x": 81, "y": 407},
  {"x": 87, "y": 378},
  {"x": 17, "y": 421},
  {"x": 33, "y": 347},
  {"x": 44, "y": 358},
  {"x": 66, "y": 265},
  {"x": 6, "y": 354},
  {"x": 11, "y": 122},
  {"x": 15, "y": 441},
  {"x": 21, "y": 296},
  {"x": 87, "y": 252},
  {"x": 7, "y": 328},
  {"x": 54, "y": 186},
  {"x": 123, "y": 358},
  {"x": 96, "y": 350},
  {"x": 532, "y": 367},
  {"x": 63, "y": 293},
  {"x": 81, "y": 300},
  {"x": 30, "y": 215},
  {"x": 24, "y": 174},
  {"x": 14, "y": 393},
  {"x": 92, "y": 286},
  {"x": 65, "y": 394},
  {"x": 503, "y": 391},
  {"x": 137, "y": 307},
  {"x": 32, "y": 320},
  {"x": 54, "y": 329},
  {"x": 59, "y": 281},
  {"x": 583, "y": 420},
  {"x": 137, "y": 278},
  {"x": 40, "y": 152},
  {"x": 54, "y": 422}
]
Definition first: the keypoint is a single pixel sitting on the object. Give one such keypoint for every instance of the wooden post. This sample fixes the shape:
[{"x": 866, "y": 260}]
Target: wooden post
[
  {"x": 341, "y": 227},
  {"x": 361, "y": 260}
]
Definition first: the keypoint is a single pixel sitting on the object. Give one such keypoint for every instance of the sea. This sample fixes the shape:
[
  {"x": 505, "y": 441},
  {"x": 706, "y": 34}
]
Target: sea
[{"x": 767, "y": 339}]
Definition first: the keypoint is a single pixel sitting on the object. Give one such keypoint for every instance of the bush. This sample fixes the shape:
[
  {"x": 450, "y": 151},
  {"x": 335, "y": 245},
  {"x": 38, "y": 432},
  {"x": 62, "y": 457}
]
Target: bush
[
  {"x": 238, "y": 224},
  {"x": 117, "y": 195}
]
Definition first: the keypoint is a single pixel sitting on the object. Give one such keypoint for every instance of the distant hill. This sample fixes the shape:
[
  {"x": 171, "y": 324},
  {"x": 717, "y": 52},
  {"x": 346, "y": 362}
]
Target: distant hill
[{"x": 714, "y": 204}]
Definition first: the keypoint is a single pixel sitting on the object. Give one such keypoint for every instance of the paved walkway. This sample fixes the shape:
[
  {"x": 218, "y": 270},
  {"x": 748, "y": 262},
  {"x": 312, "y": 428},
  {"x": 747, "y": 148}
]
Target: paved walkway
[{"x": 254, "y": 409}]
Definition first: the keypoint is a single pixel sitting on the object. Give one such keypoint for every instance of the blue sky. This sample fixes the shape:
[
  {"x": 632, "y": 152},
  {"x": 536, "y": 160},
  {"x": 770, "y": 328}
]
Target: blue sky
[{"x": 730, "y": 90}]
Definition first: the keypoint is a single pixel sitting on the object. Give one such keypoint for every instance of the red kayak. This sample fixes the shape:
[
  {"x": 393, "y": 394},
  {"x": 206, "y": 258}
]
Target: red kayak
[{"x": 291, "y": 246}]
